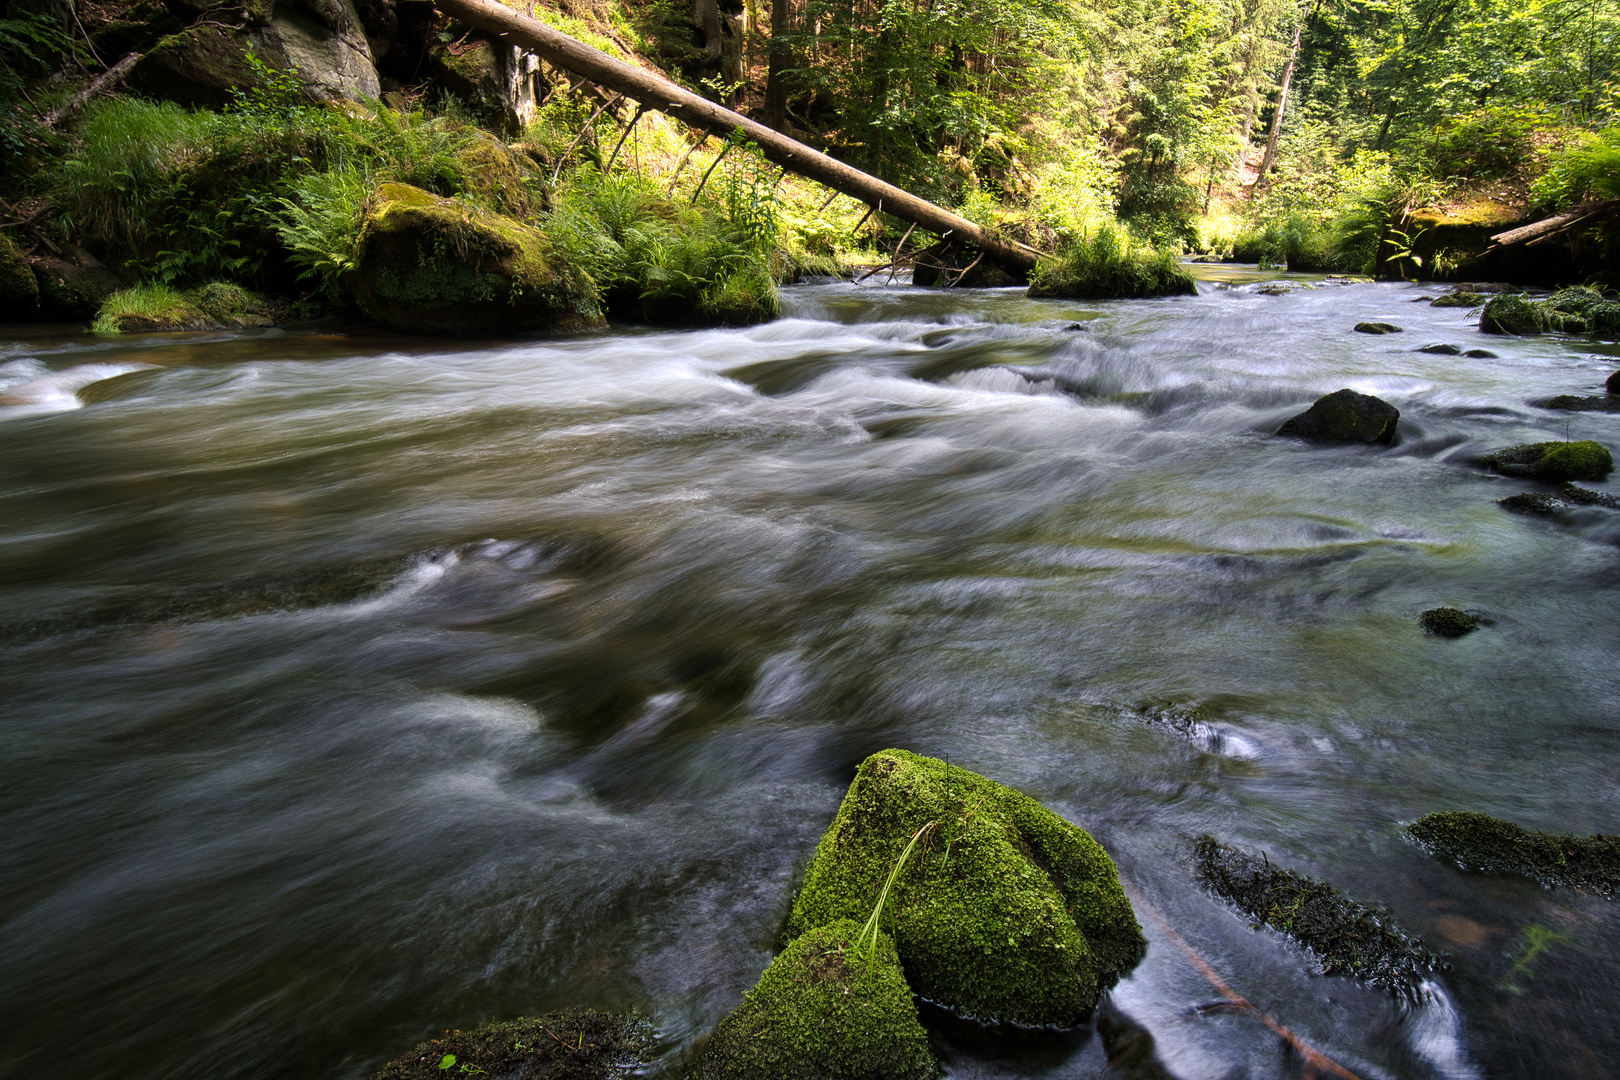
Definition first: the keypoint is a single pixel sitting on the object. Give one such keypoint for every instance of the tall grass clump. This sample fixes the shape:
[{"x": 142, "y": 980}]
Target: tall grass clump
[
  {"x": 1109, "y": 262},
  {"x": 1296, "y": 241}
]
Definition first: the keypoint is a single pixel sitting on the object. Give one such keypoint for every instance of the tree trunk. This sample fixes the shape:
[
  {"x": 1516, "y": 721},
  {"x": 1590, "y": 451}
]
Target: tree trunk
[
  {"x": 661, "y": 94},
  {"x": 778, "y": 60},
  {"x": 1270, "y": 157},
  {"x": 707, "y": 13}
]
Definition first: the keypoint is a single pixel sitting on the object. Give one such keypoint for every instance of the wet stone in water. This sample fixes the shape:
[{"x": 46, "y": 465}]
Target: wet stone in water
[
  {"x": 1548, "y": 503},
  {"x": 1583, "y": 460},
  {"x": 1346, "y": 937},
  {"x": 1441, "y": 348},
  {"x": 1447, "y": 622},
  {"x": 576, "y": 1044},
  {"x": 1481, "y": 842},
  {"x": 1345, "y": 416},
  {"x": 1377, "y": 328},
  {"x": 1579, "y": 403},
  {"x": 1480, "y": 354}
]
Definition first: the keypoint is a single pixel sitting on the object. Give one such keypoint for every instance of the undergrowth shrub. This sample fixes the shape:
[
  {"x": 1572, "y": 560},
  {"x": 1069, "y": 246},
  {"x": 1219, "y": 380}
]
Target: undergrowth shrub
[{"x": 1109, "y": 263}]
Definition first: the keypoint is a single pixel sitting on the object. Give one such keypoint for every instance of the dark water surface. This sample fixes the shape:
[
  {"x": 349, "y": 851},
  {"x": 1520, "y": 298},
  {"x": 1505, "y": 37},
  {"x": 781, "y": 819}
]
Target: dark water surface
[{"x": 356, "y": 687}]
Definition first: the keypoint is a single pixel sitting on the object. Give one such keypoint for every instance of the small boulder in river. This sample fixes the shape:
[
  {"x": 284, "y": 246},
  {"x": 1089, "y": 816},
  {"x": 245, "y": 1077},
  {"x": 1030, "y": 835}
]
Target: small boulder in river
[
  {"x": 1345, "y": 416},
  {"x": 1448, "y": 622},
  {"x": 1009, "y": 914},
  {"x": 1484, "y": 843},
  {"x": 1584, "y": 460},
  {"x": 1480, "y": 354},
  {"x": 1552, "y": 503},
  {"x": 1613, "y": 385},
  {"x": 1459, "y": 299},
  {"x": 1377, "y": 328},
  {"x": 826, "y": 1007},
  {"x": 1441, "y": 348},
  {"x": 430, "y": 265},
  {"x": 1583, "y": 403},
  {"x": 576, "y": 1044}
]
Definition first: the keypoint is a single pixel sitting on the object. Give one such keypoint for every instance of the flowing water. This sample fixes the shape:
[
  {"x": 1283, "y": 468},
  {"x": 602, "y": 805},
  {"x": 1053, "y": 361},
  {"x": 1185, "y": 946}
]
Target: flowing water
[{"x": 357, "y": 687}]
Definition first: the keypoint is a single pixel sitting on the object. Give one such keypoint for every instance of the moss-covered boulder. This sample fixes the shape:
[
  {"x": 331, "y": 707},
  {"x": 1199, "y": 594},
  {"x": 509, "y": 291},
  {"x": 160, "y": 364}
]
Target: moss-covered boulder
[
  {"x": 1584, "y": 460},
  {"x": 1512, "y": 313},
  {"x": 19, "y": 292},
  {"x": 1583, "y": 403},
  {"x": 430, "y": 265},
  {"x": 824, "y": 1010},
  {"x": 1481, "y": 842},
  {"x": 576, "y": 1044},
  {"x": 1345, "y": 416},
  {"x": 199, "y": 66},
  {"x": 1459, "y": 299},
  {"x": 1377, "y": 328},
  {"x": 475, "y": 72},
  {"x": 1447, "y": 622},
  {"x": 1551, "y": 503},
  {"x": 1009, "y": 914},
  {"x": 72, "y": 283}
]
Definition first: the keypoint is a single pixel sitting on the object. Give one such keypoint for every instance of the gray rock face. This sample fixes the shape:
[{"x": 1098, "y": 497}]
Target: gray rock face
[
  {"x": 72, "y": 285},
  {"x": 322, "y": 39},
  {"x": 1345, "y": 416}
]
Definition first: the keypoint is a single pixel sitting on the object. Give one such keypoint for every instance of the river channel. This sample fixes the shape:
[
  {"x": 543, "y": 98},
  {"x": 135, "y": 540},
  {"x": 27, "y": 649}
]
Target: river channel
[{"x": 355, "y": 687}]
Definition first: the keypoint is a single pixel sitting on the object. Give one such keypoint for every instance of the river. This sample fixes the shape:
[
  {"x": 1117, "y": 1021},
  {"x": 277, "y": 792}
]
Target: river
[{"x": 356, "y": 687}]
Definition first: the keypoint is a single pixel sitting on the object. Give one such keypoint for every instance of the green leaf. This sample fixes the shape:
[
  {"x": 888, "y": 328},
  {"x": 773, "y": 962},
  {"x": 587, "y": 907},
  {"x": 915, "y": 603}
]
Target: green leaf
[{"x": 447, "y": 1061}]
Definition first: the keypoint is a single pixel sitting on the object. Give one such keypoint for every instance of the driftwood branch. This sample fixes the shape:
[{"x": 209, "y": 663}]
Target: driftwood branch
[
  {"x": 105, "y": 81},
  {"x": 663, "y": 95},
  {"x": 1558, "y": 223}
]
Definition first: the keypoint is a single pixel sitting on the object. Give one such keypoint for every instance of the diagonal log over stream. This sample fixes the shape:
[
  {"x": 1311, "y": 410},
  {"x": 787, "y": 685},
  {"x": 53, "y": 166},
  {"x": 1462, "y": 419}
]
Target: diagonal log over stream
[{"x": 658, "y": 93}]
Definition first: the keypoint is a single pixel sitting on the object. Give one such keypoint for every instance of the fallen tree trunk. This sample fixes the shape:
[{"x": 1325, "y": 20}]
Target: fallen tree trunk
[
  {"x": 105, "y": 81},
  {"x": 1540, "y": 230},
  {"x": 658, "y": 93}
]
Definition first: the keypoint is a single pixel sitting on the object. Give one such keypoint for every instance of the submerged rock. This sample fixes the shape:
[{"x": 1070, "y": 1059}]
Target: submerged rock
[
  {"x": 19, "y": 292},
  {"x": 1481, "y": 354},
  {"x": 1377, "y": 328},
  {"x": 1481, "y": 842},
  {"x": 1346, "y": 937},
  {"x": 1613, "y": 384},
  {"x": 1459, "y": 299},
  {"x": 1441, "y": 348},
  {"x": 430, "y": 265},
  {"x": 1009, "y": 914},
  {"x": 824, "y": 1009},
  {"x": 576, "y": 1044},
  {"x": 1549, "y": 503},
  {"x": 1448, "y": 622},
  {"x": 1345, "y": 416},
  {"x": 1578, "y": 403},
  {"x": 1584, "y": 460},
  {"x": 73, "y": 284}
]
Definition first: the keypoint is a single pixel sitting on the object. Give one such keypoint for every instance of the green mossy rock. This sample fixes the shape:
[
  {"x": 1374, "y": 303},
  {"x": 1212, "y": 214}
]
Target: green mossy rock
[
  {"x": 1584, "y": 460},
  {"x": 1345, "y": 416},
  {"x": 155, "y": 308},
  {"x": 472, "y": 72},
  {"x": 823, "y": 1011},
  {"x": 1010, "y": 914},
  {"x": 1580, "y": 403},
  {"x": 576, "y": 1044},
  {"x": 1550, "y": 503},
  {"x": 430, "y": 265},
  {"x": 1459, "y": 299},
  {"x": 1481, "y": 842},
  {"x": 1377, "y": 328},
  {"x": 1512, "y": 313},
  {"x": 19, "y": 292},
  {"x": 1447, "y": 622}
]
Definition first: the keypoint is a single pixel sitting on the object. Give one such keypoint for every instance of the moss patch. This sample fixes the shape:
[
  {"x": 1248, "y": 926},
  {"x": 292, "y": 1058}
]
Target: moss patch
[
  {"x": 1459, "y": 299},
  {"x": 1111, "y": 264},
  {"x": 1509, "y": 313},
  {"x": 576, "y": 1044},
  {"x": 1010, "y": 914},
  {"x": 1447, "y": 622},
  {"x": 1481, "y": 842},
  {"x": 1346, "y": 937},
  {"x": 1345, "y": 416},
  {"x": 216, "y": 306},
  {"x": 1579, "y": 309},
  {"x": 19, "y": 292},
  {"x": 1584, "y": 460},
  {"x": 440, "y": 266},
  {"x": 824, "y": 1011}
]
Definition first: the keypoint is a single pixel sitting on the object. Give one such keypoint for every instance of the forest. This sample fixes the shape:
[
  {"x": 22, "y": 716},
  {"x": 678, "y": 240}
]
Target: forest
[{"x": 1388, "y": 138}]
